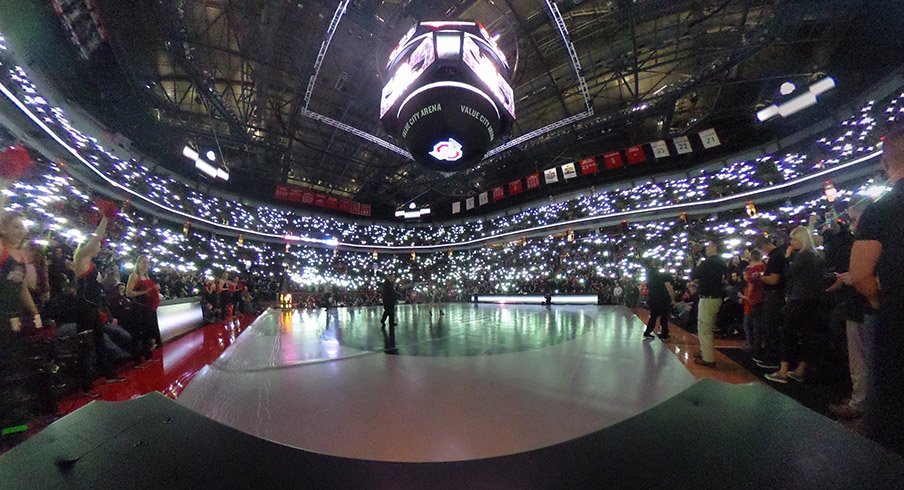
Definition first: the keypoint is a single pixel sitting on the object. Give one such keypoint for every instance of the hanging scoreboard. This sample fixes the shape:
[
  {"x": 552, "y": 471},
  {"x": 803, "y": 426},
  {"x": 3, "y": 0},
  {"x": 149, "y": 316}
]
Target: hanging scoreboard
[{"x": 448, "y": 96}]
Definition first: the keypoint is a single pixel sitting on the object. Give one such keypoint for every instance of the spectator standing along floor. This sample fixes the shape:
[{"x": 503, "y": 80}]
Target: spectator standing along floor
[
  {"x": 877, "y": 272},
  {"x": 711, "y": 276}
]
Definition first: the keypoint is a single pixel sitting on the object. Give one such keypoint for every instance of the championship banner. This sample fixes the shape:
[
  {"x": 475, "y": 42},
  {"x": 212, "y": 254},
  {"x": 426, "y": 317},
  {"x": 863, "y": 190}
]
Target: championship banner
[
  {"x": 356, "y": 207},
  {"x": 568, "y": 171},
  {"x": 589, "y": 166},
  {"x": 456, "y": 207},
  {"x": 498, "y": 193},
  {"x": 320, "y": 200},
  {"x": 469, "y": 203},
  {"x": 483, "y": 198},
  {"x": 683, "y": 145},
  {"x": 345, "y": 205},
  {"x": 551, "y": 175},
  {"x": 533, "y": 181},
  {"x": 660, "y": 149},
  {"x": 282, "y": 192},
  {"x": 307, "y": 197},
  {"x": 332, "y": 202},
  {"x": 295, "y": 195},
  {"x": 515, "y": 187},
  {"x": 365, "y": 210},
  {"x": 613, "y": 160},
  {"x": 635, "y": 155},
  {"x": 709, "y": 138}
]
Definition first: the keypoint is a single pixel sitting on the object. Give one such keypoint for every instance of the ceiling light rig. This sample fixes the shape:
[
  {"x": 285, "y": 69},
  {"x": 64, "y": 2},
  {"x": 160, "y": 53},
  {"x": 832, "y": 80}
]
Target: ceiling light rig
[
  {"x": 448, "y": 96},
  {"x": 797, "y": 103},
  {"x": 412, "y": 212},
  {"x": 207, "y": 168}
]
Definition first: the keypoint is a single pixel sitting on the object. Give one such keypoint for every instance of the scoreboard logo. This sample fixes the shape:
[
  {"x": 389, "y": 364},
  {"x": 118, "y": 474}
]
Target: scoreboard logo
[{"x": 449, "y": 150}]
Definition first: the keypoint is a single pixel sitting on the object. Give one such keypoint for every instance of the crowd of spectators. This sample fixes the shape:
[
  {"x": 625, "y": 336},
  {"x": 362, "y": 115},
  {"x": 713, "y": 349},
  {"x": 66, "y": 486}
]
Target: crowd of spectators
[{"x": 855, "y": 136}]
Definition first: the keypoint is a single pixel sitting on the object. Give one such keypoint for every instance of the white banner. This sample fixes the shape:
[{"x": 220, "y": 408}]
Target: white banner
[
  {"x": 456, "y": 207},
  {"x": 568, "y": 171},
  {"x": 551, "y": 175},
  {"x": 660, "y": 149},
  {"x": 469, "y": 203},
  {"x": 683, "y": 145},
  {"x": 709, "y": 138},
  {"x": 484, "y": 197}
]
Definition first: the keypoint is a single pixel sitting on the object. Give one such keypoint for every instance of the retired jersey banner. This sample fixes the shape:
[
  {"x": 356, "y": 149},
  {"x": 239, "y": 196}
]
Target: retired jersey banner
[
  {"x": 515, "y": 187},
  {"x": 498, "y": 193},
  {"x": 660, "y": 149},
  {"x": 295, "y": 195},
  {"x": 356, "y": 207},
  {"x": 307, "y": 197},
  {"x": 456, "y": 207},
  {"x": 282, "y": 192},
  {"x": 683, "y": 145},
  {"x": 589, "y": 166},
  {"x": 469, "y": 203},
  {"x": 483, "y": 198},
  {"x": 568, "y": 171},
  {"x": 709, "y": 138},
  {"x": 533, "y": 181},
  {"x": 345, "y": 205},
  {"x": 551, "y": 175},
  {"x": 635, "y": 155},
  {"x": 365, "y": 210},
  {"x": 613, "y": 160}
]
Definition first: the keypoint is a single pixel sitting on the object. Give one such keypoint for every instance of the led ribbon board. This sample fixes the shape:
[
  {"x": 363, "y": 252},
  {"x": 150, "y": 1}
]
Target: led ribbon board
[{"x": 448, "y": 96}]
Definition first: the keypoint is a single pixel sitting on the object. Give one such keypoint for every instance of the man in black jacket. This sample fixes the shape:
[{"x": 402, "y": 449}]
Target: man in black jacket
[{"x": 389, "y": 302}]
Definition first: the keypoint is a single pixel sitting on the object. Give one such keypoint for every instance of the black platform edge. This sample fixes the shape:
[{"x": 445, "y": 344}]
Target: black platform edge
[{"x": 712, "y": 435}]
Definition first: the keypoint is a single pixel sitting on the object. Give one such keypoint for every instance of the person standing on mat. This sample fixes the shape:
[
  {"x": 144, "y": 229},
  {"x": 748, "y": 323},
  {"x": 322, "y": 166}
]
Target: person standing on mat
[
  {"x": 660, "y": 297},
  {"x": 389, "y": 302},
  {"x": 711, "y": 276},
  {"x": 773, "y": 302}
]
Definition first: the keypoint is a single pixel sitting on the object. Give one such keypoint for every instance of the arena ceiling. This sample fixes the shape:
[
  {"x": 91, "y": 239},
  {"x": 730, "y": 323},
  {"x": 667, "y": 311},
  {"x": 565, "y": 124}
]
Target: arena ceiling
[{"x": 250, "y": 78}]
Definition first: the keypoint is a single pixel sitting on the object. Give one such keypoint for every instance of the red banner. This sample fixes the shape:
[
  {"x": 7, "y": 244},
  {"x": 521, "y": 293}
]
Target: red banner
[
  {"x": 515, "y": 187},
  {"x": 498, "y": 193},
  {"x": 589, "y": 166},
  {"x": 533, "y": 181},
  {"x": 613, "y": 160},
  {"x": 332, "y": 202},
  {"x": 296, "y": 194},
  {"x": 635, "y": 155}
]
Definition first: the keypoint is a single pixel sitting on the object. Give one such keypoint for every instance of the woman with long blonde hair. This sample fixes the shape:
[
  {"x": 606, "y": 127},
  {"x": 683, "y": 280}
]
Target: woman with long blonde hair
[
  {"x": 146, "y": 294},
  {"x": 804, "y": 283}
]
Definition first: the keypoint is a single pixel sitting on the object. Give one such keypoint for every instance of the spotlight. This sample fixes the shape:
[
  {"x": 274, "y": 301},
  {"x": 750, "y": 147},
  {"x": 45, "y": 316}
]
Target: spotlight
[
  {"x": 211, "y": 155},
  {"x": 787, "y": 88}
]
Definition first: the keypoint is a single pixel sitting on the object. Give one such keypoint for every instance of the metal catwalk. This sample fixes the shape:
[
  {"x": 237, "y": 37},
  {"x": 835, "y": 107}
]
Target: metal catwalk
[{"x": 476, "y": 382}]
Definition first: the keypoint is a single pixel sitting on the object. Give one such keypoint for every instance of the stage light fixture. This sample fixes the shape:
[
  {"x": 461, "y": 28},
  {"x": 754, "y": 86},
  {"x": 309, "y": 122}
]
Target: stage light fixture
[
  {"x": 448, "y": 97},
  {"x": 822, "y": 86},
  {"x": 787, "y": 88},
  {"x": 767, "y": 113},
  {"x": 211, "y": 155}
]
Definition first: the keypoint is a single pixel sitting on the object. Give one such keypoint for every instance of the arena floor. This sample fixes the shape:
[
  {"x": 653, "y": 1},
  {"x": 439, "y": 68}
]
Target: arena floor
[{"x": 475, "y": 382}]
